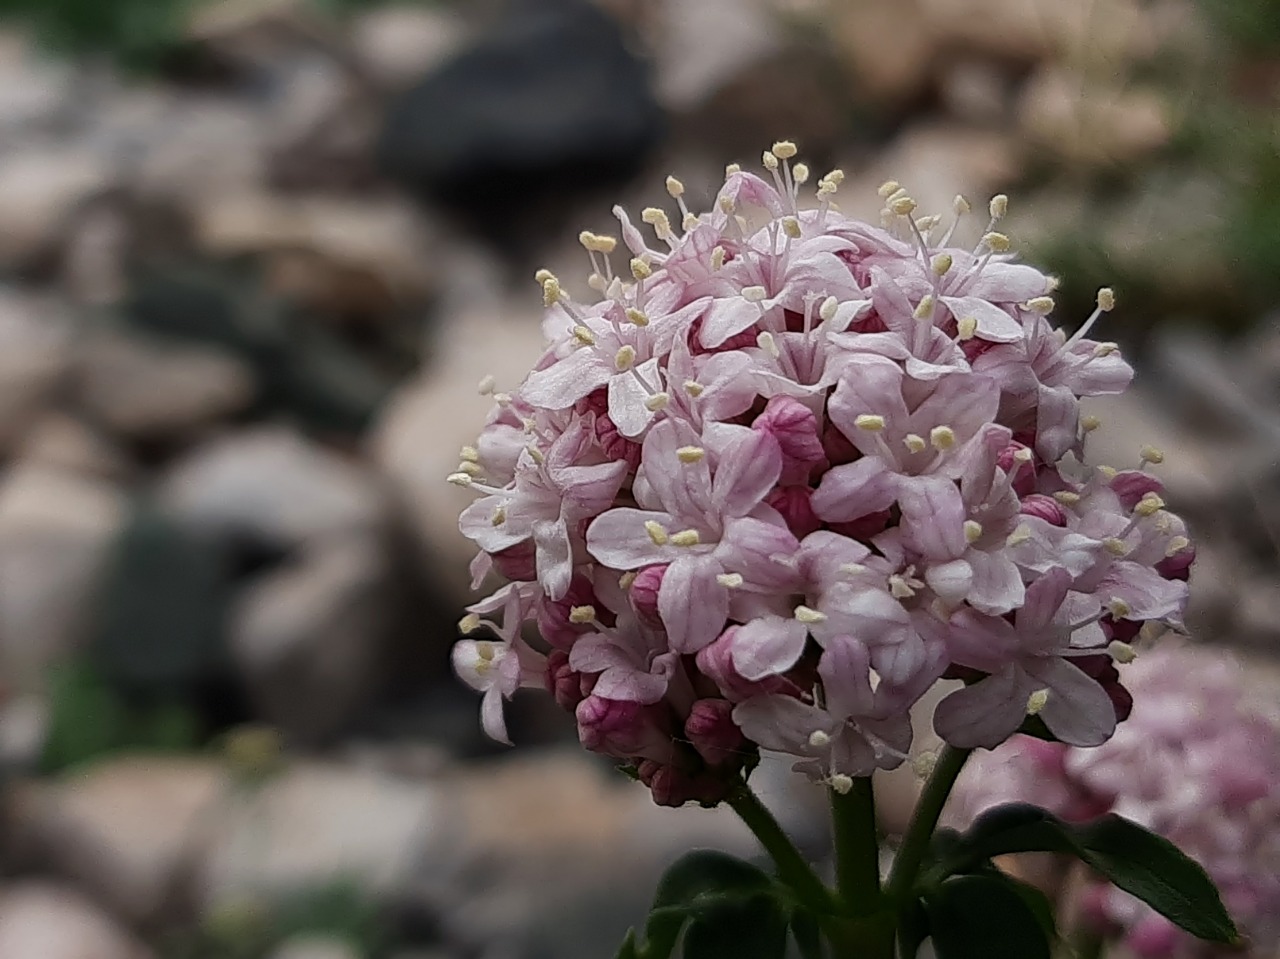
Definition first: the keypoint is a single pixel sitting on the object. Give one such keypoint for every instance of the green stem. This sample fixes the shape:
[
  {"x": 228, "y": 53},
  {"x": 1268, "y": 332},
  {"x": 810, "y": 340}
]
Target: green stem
[
  {"x": 853, "y": 818},
  {"x": 792, "y": 867},
  {"x": 906, "y": 865}
]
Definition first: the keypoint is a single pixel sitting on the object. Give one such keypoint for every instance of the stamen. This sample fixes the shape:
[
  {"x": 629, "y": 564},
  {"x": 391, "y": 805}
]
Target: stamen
[
  {"x": 625, "y": 358},
  {"x": 996, "y": 242},
  {"x": 914, "y": 443},
  {"x": 809, "y": 616},
  {"x": 686, "y": 537},
  {"x": 1067, "y": 497},
  {"x": 841, "y": 783},
  {"x": 730, "y": 580},
  {"x": 675, "y": 187},
  {"x": 1115, "y": 546},
  {"x": 657, "y": 219},
  {"x": 1019, "y": 536},
  {"x": 871, "y": 422},
  {"x": 691, "y": 454},
  {"x": 972, "y": 531},
  {"x": 966, "y": 327},
  {"x": 694, "y": 388},
  {"x": 657, "y": 402},
  {"x": 468, "y": 625},
  {"x": 637, "y": 317},
  {"x": 1151, "y": 454},
  {"x": 582, "y": 614},
  {"x": 1040, "y": 304},
  {"x": 800, "y": 173},
  {"x": 784, "y": 150},
  {"x": 640, "y": 268},
  {"x": 819, "y": 739},
  {"x": 754, "y": 294},
  {"x": 998, "y": 207},
  {"x": 1149, "y": 505},
  {"x": 657, "y": 534},
  {"x": 487, "y": 384},
  {"x": 941, "y": 264},
  {"x": 942, "y": 438},
  {"x": 888, "y": 188},
  {"x": 1090, "y": 423},
  {"x": 1121, "y": 652},
  {"x": 766, "y": 342},
  {"x": 1176, "y": 546},
  {"x": 469, "y": 454},
  {"x": 627, "y": 579},
  {"x": 1037, "y": 701},
  {"x": 1118, "y": 608},
  {"x": 717, "y": 258}
]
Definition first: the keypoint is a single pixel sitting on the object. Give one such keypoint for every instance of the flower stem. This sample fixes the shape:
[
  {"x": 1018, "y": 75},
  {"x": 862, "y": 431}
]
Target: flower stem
[
  {"x": 853, "y": 818},
  {"x": 924, "y": 820},
  {"x": 792, "y": 867}
]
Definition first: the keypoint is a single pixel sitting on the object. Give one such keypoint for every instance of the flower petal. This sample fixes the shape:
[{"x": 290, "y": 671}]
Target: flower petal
[{"x": 692, "y": 603}]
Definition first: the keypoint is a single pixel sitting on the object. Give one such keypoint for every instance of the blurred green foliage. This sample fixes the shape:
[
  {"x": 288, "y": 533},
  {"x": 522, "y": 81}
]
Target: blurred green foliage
[
  {"x": 90, "y": 719},
  {"x": 254, "y": 929},
  {"x": 1254, "y": 25}
]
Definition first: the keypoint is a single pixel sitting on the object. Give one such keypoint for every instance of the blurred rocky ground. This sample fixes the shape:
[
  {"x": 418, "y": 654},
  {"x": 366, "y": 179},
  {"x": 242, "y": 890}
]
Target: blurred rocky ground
[{"x": 246, "y": 298}]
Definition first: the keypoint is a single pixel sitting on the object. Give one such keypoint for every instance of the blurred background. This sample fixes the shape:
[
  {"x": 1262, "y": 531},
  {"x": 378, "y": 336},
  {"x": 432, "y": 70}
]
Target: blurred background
[{"x": 255, "y": 255}]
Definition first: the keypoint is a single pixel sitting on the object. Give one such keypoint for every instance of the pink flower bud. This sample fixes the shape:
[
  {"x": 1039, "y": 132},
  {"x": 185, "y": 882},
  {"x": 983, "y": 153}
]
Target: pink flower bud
[
  {"x": 644, "y": 595},
  {"x": 672, "y": 786},
  {"x": 1023, "y": 473},
  {"x": 866, "y": 527},
  {"x": 563, "y": 683},
  {"x": 517, "y": 562},
  {"x": 795, "y": 428},
  {"x": 1044, "y": 507},
  {"x": 712, "y": 732},
  {"x": 553, "y": 615},
  {"x": 793, "y": 502},
  {"x": 623, "y": 729},
  {"x": 615, "y": 445},
  {"x": 1177, "y": 566},
  {"x": 716, "y": 662},
  {"x": 1131, "y": 485}
]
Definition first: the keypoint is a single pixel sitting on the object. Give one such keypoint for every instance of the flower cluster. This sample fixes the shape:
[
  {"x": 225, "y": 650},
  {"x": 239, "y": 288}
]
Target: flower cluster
[
  {"x": 789, "y": 470},
  {"x": 1197, "y": 761}
]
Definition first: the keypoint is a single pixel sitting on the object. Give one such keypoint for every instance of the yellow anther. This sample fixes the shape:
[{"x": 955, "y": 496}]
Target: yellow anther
[
  {"x": 1108, "y": 471},
  {"x": 535, "y": 454},
  {"x": 1023, "y": 455},
  {"x": 1176, "y": 546},
  {"x": 459, "y": 479},
  {"x": 627, "y": 578},
  {"x": 657, "y": 534},
  {"x": 1066, "y": 497},
  {"x": 468, "y": 625},
  {"x": 902, "y": 206},
  {"x": 754, "y": 294},
  {"x": 766, "y": 342},
  {"x": 675, "y": 187},
  {"x": 1037, "y": 701},
  {"x": 1151, "y": 454},
  {"x": 658, "y": 220},
  {"x": 1019, "y": 536},
  {"x": 1122, "y": 652},
  {"x": 596, "y": 243},
  {"x": 942, "y": 438},
  {"x": 717, "y": 257},
  {"x": 941, "y": 264},
  {"x": 657, "y": 402},
  {"x": 640, "y": 268},
  {"x": 966, "y": 327},
  {"x": 486, "y": 385},
  {"x": 584, "y": 336},
  {"x": 888, "y": 188},
  {"x": 730, "y": 580},
  {"x": 582, "y": 614},
  {"x": 959, "y": 205},
  {"x": 784, "y": 150},
  {"x": 1115, "y": 546},
  {"x": 800, "y": 173},
  {"x": 551, "y": 292},
  {"x": 871, "y": 422},
  {"x": 1040, "y": 304},
  {"x": 625, "y": 358},
  {"x": 686, "y": 537},
  {"x": 926, "y": 223},
  {"x": 1118, "y": 608},
  {"x": 972, "y": 531},
  {"x": 924, "y": 310},
  {"x": 998, "y": 206},
  {"x": 819, "y": 739},
  {"x": 693, "y": 388},
  {"x": 1106, "y": 349},
  {"x": 1149, "y": 505},
  {"x": 1106, "y": 299},
  {"x": 996, "y": 242},
  {"x": 638, "y": 317},
  {"x": 689, "y": 222},
  {"x": 840, "y": 783},
  {"x": 770, "y": 160},
  {"x": 827, "y": 311},
  {"x": 923, "y": 764},
  {"x": 542, "y": 276},
  {"x": 731, "y": 169},
  {"x": 809, "y": 616},
  {"x": 471, "y": 469},
  {"x": 1090, "y": 423},
  {"x": 852, "y": 569},
  {"x": 691, "y": 454},
  {"x": 499, "y": 516},
  {"x": 791, "y": 227},
  {"x": 914, "y": 443},
  {"x": 469, "y": 454}
]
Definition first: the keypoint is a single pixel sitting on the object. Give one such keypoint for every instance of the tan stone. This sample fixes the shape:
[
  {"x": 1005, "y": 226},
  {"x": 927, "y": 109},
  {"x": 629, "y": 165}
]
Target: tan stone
[
  {"x": 40, "y": 189},
  {"x": 888, "y": 46},
  {"x": 399, "y": 44},
  {"x": 35, "y": 357},
  {"x": 41, "y": 920}
]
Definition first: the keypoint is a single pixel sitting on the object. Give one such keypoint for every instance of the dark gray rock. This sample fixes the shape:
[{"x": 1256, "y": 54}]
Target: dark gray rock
[{"x": 549, "y": 102}]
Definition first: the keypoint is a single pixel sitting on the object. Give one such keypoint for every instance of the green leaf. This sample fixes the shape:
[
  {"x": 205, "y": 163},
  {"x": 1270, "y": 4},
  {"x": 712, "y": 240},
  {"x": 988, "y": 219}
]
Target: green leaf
[
  {"x": 1133, "y": 858},
  {"x": 807, "y": 934},
  {"x": 1036, "y": 902},
  {"x": 981, "y": 917},
  {"x": 628, "y": 949},
  {"x": 754, "y": 928},
  {"x": 707, "y": 874}
]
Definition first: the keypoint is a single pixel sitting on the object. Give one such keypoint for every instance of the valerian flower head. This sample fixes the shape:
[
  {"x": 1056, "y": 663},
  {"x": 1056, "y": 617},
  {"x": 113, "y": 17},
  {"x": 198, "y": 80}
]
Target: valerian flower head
[
  {"x": 1197, "y": 761},
  {"x": 784, "y": 472}
]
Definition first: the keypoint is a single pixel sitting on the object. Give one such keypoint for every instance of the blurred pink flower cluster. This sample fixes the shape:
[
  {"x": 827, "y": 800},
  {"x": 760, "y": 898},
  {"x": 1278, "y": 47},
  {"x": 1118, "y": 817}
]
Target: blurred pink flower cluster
[
  {"x": 1198, "y": 761},
  {"x": 790, "y": 469}
]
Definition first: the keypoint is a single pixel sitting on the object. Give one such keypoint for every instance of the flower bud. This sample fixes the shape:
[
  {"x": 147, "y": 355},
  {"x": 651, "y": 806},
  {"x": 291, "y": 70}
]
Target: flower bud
[
  {"x": 1132, "y": 485},
  {"x": 1023, "y": 471},
  {"x": 1177, "y": 566},
  {"x": 555, "y": 618},
  {"x": 1045, "y": 508},
  {"x": 795, "y": 428},
  {"x": 1154, "y": 937},
  {"x": 794, "y": 504},
  {"x": 563, "y": 683},
  {"x": 644, "y": 595},
  {"x": 712, "y": 732},
  {"x": 622, "y": 729},
  {"x": 517, "y": 562},
  {"x": 672, "y": 786}
]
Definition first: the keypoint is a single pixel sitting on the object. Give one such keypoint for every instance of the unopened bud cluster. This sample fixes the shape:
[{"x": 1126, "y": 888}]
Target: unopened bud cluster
[{"x": 777, "y": 480}]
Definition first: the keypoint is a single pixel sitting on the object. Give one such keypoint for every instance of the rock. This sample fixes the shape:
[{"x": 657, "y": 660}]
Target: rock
[
  {"x": 546, "y": 100},
  {"x": 151, "y": 389},
  {"x": 705, "y": 45},
  {"x": 887, "y": 74},
  {"x": 66, "y": 444},
  {"x": 398, "y": 44},
  {"x": 40, "y": 190},
  {"x": 198, "y": 148},
  {"x": 976, "y": 91},
  {"x": 1075, "y": 122},
  {"x": 130, "y": 830},
  {"x": 314, "y": 824},
  {"x": 271, "y": 486},
  {"x": 55, "y": 922},
  {"x": 24, "y": 725},
  {"x": 336, "y": 255},
  {"x": 309, "y": 946},
  {"x": 54, "y": 532},
  {"x": 35, "y": 357},
  {"x": 310, "y": 637},
  {"x": 33, "y": 87},
  {"x": 419, "y": 433}
]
